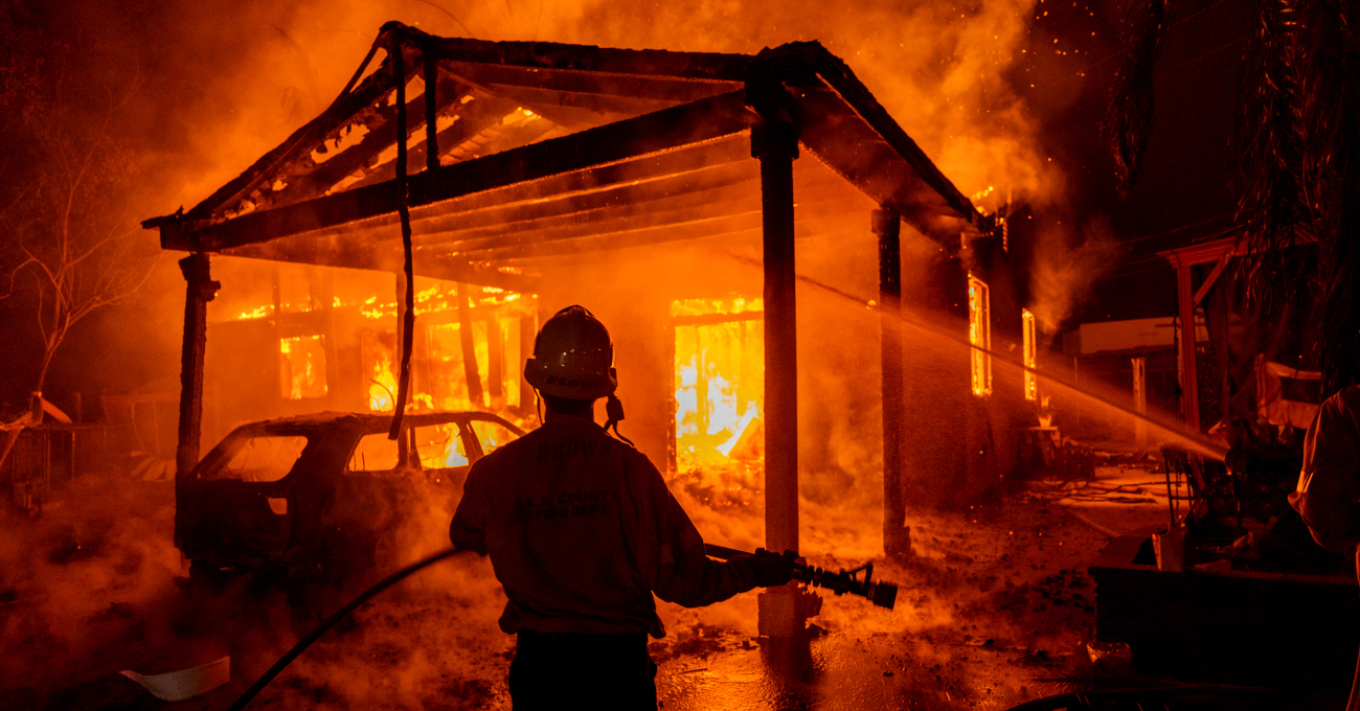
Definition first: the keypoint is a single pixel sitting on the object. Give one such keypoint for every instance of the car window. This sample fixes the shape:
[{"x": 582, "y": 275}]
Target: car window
[
  {"x": 437, "y": 445},
  {"x": 268, "y": 458},
  {"x": 440, "y": 446},
  {"x": 492, "y": 434},
  {"x": 374, "y": 453}
]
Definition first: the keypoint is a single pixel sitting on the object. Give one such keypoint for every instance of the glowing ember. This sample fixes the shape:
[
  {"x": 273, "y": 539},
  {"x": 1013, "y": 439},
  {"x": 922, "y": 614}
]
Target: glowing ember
[{"x": 264, "y": 311}]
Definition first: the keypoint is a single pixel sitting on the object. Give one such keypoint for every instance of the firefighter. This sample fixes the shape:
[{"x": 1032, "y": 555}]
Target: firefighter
[
  {"x": 581, "y": 531},
  {"x": 1328, "y": 493}
]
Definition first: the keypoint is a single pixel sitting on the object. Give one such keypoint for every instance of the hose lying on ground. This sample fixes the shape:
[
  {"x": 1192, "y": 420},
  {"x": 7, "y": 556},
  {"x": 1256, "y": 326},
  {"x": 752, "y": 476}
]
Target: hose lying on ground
[{"x": 330, "y": 622}]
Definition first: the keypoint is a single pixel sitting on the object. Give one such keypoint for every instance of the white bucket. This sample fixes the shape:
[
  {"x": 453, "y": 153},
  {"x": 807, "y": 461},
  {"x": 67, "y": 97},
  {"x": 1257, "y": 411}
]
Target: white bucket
[
  {"x": 185, "y": 683},
  {"x": 1169, "y": 545}
]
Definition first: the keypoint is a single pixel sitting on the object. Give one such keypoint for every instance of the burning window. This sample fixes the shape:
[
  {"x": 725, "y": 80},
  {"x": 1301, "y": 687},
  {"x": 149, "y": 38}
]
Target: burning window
[
  {"x": 719, "y": 381},
  {"x": 302, "y": 367},
  {"x": 491, "y": 435},
  {"x": 440, "y": 375},
  {"x": 1031, "y": 347},
  {"x": 436, "y": 446},
  {"x": 980, "y": 335}
]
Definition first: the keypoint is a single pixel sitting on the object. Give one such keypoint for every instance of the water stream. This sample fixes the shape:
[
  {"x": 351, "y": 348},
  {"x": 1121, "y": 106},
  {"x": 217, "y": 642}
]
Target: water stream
[{"x": 1159, "y": 428}]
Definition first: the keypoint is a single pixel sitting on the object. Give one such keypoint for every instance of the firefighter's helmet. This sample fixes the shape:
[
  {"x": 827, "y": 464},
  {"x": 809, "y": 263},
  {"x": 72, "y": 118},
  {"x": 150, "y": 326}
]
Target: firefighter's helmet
[{"x": 573, "y": 357}]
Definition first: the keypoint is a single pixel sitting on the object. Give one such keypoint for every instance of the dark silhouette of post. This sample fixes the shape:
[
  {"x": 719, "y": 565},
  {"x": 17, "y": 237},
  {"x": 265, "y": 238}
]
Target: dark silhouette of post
[
  {"x": 199, "y": 291},
  {"x": 774, "y": 141},
  {"x": 887, "y": 226}
]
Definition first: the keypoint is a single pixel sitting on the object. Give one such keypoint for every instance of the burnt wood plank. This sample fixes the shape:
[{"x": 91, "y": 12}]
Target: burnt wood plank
[
  {"x": 580, "y": 187},
  {"x": 581, "y": 184},
  {"x": 574, "y": 81},
  {"x": 562, "y": 255},
  {"x": 853, "y": 150},
  {"x": 678, "y": 127},
  {"x": 622, "y": 220},
  {"x": 840, "y": 79},
  {"x": 532, "y": 57},
  {"x": 302, "y": 141},
  {"x": 675, "y": 207},
  {"x": 509, "y": 139},
  {"x": 601, "y": 104},
  {"x": 473, "y": 117},
  {"x": 353, "y": 252},
  {"x": 643, "y": 234},
  {"x": 701, "y": 182},
  {"x": 715, "y": 227}
]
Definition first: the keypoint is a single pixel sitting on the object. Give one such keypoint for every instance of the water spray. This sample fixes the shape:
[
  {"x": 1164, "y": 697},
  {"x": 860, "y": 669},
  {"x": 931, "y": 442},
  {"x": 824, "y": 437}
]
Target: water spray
[{"x": 1199, "y": 443}]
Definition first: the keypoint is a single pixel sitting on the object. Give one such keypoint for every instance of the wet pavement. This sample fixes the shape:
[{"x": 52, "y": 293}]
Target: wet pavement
[{"x": 995, "y": 608}]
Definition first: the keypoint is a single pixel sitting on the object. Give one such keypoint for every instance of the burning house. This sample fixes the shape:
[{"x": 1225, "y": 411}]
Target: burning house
[{"x": 737, "y": 220}]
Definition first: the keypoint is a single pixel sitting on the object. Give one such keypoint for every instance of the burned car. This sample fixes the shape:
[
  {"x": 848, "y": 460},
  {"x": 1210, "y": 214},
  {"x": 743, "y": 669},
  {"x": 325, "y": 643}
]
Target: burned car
[{"x": 321, "y": 497}]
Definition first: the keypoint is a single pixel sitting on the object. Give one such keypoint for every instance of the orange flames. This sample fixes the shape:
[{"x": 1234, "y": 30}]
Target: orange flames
[
  {"x": 302, "y": 367},
  {"x": 1031, "y": 353},
  {"x": 719, "y": 389},
  {"x": 980, "y": 334},
  {"x": 382, "y": 388}
]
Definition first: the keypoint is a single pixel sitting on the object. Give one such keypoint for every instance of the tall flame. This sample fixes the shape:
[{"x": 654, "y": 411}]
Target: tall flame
[
  {"x": 1031, "y": 353},
  {"x": 980, "y": 334},
  {"x": 382, "y": 389},
  {"x": 302, "y": 367}
]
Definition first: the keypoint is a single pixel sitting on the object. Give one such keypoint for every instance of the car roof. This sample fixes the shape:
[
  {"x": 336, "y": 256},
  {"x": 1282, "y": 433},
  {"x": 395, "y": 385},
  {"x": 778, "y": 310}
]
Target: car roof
[{"x": 366, "y": 422}]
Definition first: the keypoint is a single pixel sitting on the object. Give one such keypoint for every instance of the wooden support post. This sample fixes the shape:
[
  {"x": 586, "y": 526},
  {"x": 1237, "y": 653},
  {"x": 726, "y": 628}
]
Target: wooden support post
[
  {"x": 887, "y": 226},
  {"x": 495, "y": 367},
  {"x": 776, "y": 154},
  {"x": 1189, "y": 377},
  {"x": 199, "y": 291},
  {"x": 472, "y": 371},
  {"x": 783, "y": 611},
  {"x": 528, "y": 333},
  {"x": 431, "y": 78}
]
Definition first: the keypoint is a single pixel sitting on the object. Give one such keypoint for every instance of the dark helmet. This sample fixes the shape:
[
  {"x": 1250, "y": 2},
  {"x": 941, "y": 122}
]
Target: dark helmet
[{"x": 573, "y": 357}]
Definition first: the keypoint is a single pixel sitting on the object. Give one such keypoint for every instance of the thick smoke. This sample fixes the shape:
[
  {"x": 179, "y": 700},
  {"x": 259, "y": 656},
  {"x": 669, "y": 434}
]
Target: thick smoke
[
  {"x": 223, "y": 83},
  {"x": 1066, "y": 266}
]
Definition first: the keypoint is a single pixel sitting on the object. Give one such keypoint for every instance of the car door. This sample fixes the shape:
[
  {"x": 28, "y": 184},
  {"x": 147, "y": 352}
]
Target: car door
[{"x": 241, "y": 512}]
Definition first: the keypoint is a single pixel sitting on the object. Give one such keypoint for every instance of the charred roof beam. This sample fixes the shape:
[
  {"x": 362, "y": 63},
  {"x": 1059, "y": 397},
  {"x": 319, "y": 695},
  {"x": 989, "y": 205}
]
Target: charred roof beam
[
  {"x": 354, "y": 252},
  {"x": 477, "y": 116},
  {"x": 657, "y": 209},
  {"x": 304, "y": 140},
  {"x": 678, "y": 127}
]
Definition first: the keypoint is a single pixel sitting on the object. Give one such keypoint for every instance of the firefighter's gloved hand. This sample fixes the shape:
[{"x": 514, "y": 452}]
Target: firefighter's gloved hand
[{"x": 772, "y": 568}]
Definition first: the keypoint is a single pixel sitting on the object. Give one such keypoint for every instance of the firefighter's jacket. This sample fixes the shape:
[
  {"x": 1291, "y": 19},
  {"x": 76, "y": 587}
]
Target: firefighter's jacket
[
  {"x": 1328, "y": 494},
  {"x": 581, "y": 530}
]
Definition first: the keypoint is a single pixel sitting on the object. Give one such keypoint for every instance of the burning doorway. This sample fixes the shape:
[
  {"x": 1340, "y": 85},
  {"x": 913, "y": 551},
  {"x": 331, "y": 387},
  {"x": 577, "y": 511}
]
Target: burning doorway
[{"x": 719, "y": 385}]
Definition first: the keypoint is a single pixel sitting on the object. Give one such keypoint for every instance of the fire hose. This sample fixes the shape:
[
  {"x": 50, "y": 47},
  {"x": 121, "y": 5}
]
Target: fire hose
[
  {"x": 881, "y": 594},
  {"x": 331, "y": 621}
]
